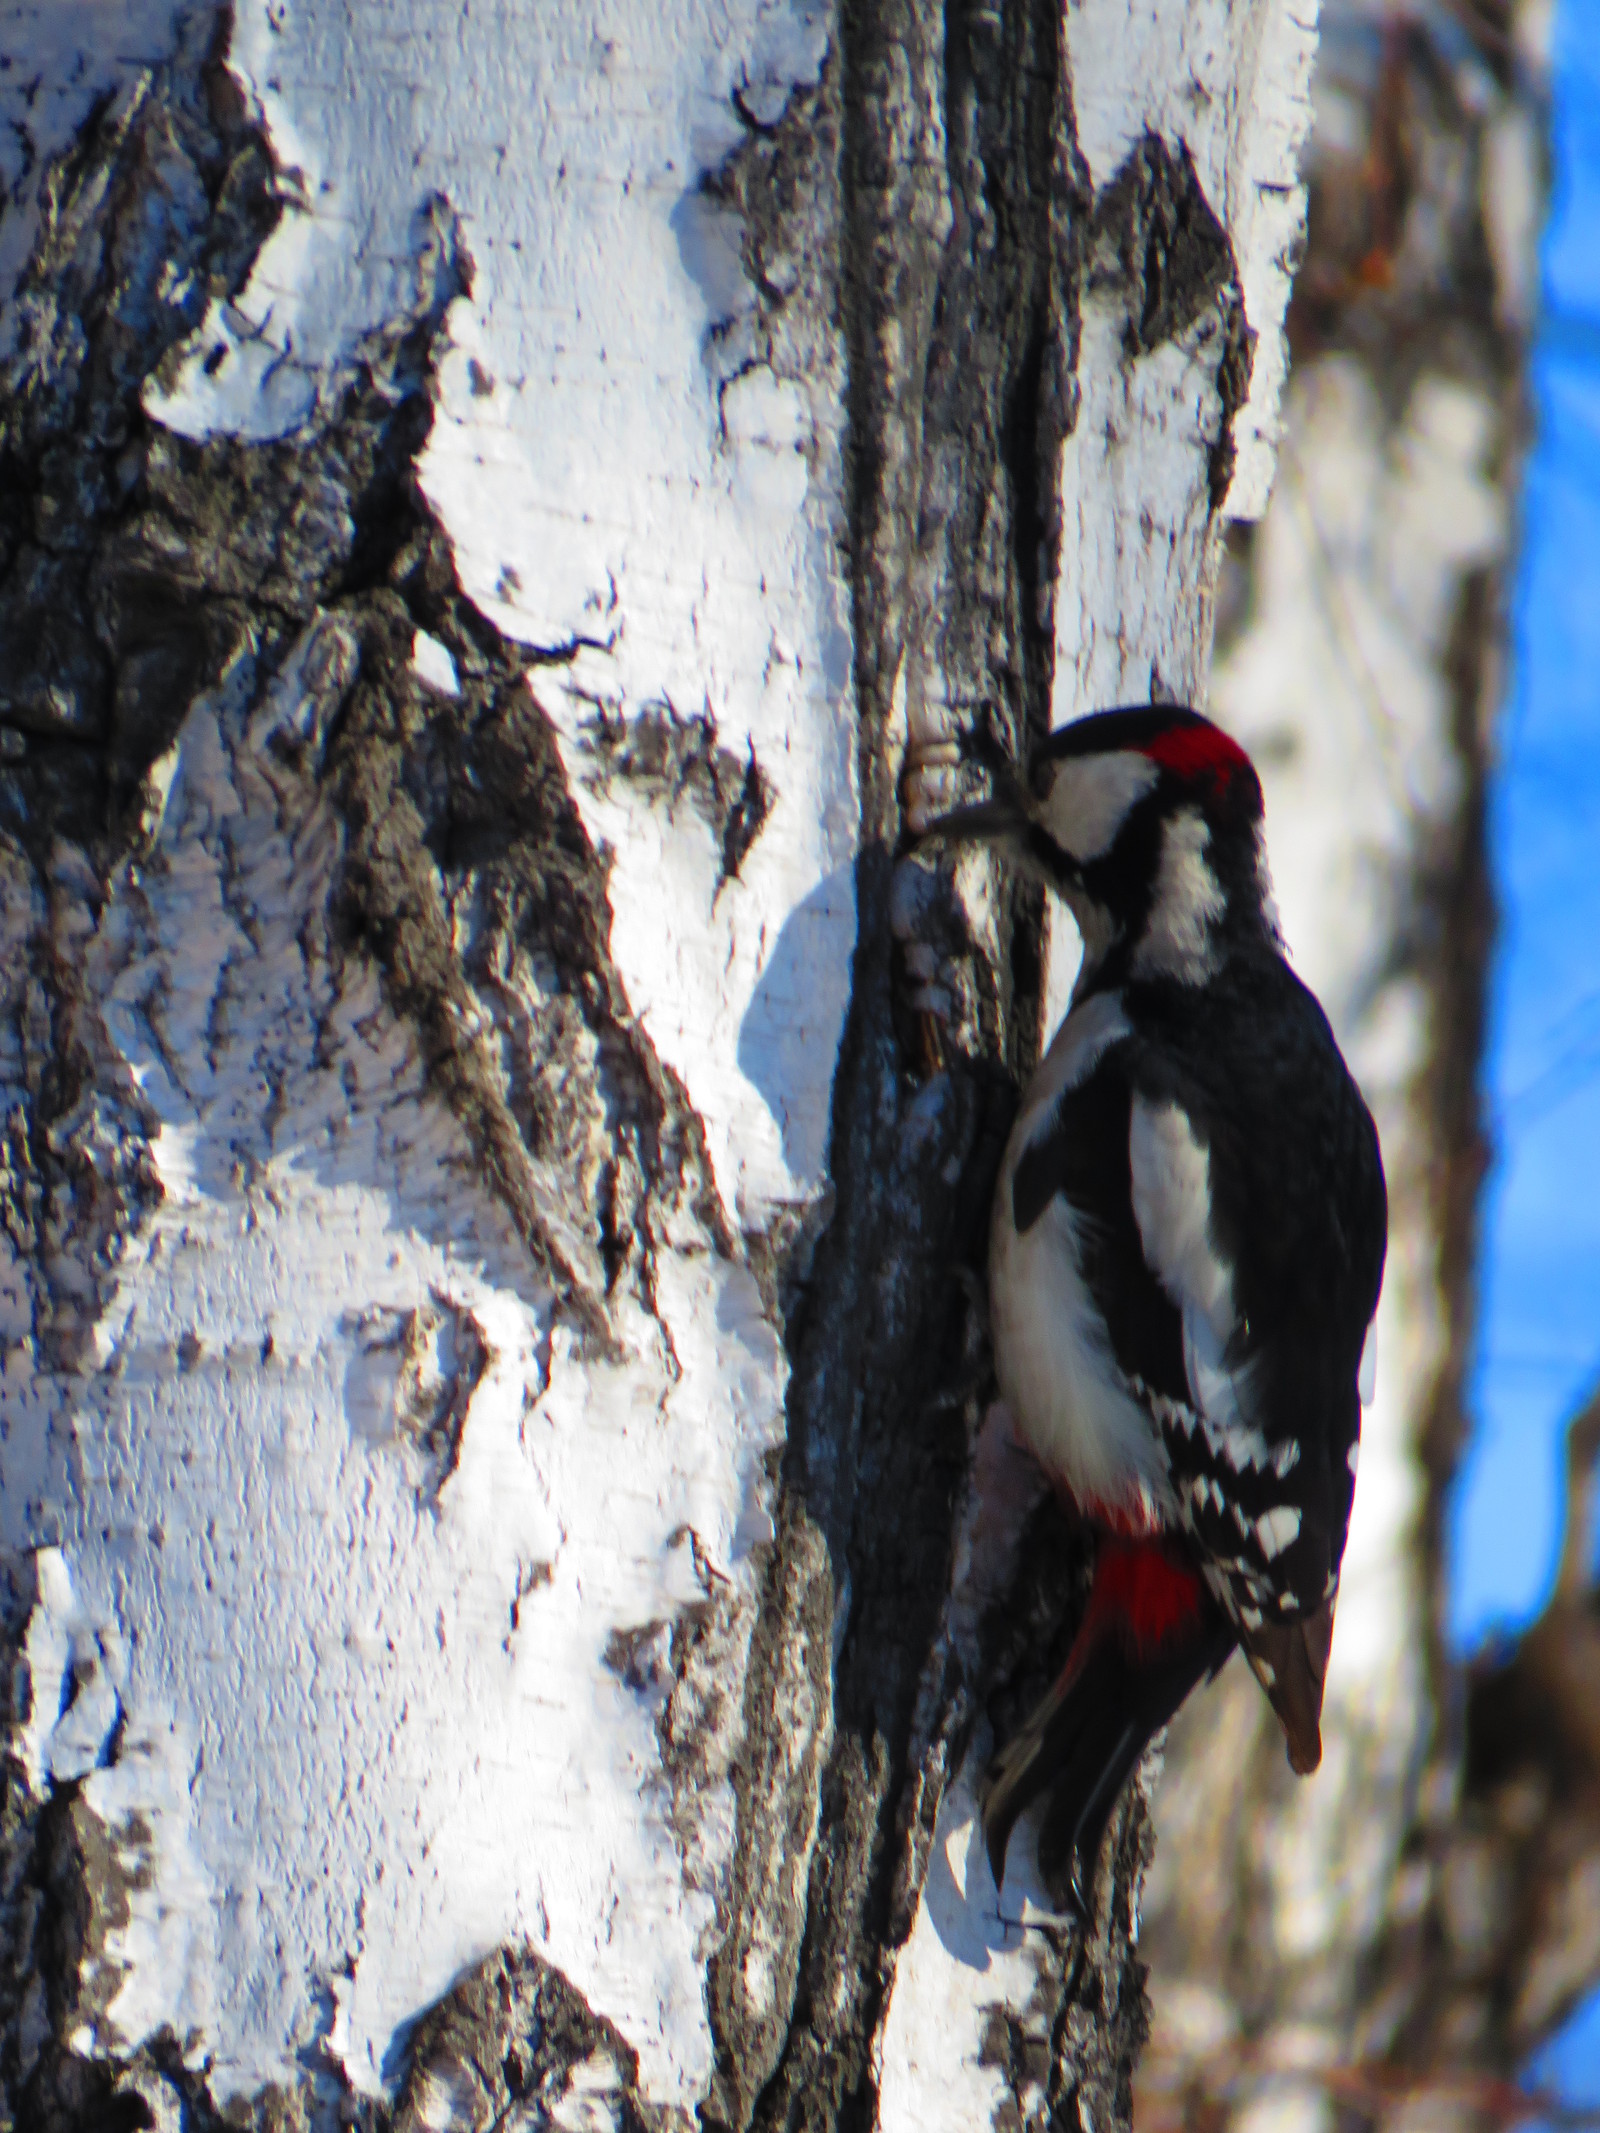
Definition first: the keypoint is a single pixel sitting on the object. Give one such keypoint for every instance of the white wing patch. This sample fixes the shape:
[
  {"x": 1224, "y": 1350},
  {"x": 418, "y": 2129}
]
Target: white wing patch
[
  {"x": 1240, "y": 1444},
  {"x": 1367, "y": 1382},
  {"x": 1171, "y": 1175},
  {"x": 1277, "y": 1529},
  {"x": 1243, "y": 1583}
]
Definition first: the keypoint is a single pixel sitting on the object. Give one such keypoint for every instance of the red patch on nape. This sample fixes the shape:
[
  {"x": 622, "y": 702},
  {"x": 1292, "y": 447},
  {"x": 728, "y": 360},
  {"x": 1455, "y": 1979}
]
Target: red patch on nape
[
  {"x": 1145, "y": 1591},
  {"x": 1195, "y": 752}
]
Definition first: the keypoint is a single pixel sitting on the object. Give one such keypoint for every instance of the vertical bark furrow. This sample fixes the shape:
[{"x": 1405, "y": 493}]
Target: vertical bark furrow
[{"x": 965, "y": 217}]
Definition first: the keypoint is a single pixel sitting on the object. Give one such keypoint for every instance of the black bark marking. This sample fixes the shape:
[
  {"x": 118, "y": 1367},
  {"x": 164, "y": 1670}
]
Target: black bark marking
[
  {"x": 508, "y": 2043},
  {"x": 1176, "y": 263},
  {"x": 1174, "y": 255},
  {"x": 1233, "y": 389},
  {"x": 671, "y": 760},
  {"x": 421, "y": 1369}
]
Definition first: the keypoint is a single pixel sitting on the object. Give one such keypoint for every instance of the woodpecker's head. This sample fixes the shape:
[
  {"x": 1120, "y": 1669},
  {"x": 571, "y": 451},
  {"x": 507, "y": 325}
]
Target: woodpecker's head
[{"x": 1147, "y": 823}]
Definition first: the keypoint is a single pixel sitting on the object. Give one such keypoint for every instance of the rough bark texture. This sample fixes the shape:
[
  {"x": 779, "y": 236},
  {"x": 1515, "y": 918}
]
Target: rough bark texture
[
  {"x": 142, "y": 570},
  {"x": 925, "y": 202},
  {"x": 962, "y": 208}
]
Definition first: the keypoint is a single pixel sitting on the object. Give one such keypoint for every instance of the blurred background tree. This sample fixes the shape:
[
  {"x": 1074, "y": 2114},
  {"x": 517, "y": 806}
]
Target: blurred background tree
[{"x": 1416, "y": 1937}]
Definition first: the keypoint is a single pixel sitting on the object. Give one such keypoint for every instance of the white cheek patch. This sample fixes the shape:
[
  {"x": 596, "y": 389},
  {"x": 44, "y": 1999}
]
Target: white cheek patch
[
  {"x": 1090, "y": 798},
  {"x": 1186, "y": 903}
]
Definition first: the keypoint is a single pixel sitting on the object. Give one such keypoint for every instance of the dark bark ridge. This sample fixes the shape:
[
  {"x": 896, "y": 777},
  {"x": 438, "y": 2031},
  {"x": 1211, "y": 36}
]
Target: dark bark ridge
[
  {"x": 967, "y": 229},
  {"x": 882, "y": 1330}
]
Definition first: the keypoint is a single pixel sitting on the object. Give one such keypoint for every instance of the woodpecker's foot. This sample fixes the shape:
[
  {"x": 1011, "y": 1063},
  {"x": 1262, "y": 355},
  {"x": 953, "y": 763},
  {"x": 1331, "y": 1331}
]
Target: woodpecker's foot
[
  {"x": 1073, "y": 1892},
  {"x": 926, "y": 779},
  {"x": 1069, "y": 1851}
]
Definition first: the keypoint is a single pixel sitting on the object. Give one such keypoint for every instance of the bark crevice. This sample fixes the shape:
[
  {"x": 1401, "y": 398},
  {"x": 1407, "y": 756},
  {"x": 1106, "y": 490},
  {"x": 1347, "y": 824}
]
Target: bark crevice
[{"x": 964, "y": 232}]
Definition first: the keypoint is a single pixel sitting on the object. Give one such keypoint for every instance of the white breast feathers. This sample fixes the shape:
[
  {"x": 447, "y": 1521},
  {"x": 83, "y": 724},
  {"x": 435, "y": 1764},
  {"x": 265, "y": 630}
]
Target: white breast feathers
[{"x": 1052, "y": 1352}]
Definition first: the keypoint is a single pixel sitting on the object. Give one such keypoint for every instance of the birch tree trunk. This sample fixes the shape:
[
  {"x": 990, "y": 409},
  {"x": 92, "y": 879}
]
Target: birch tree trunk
[{"x": 507, "y": 513}]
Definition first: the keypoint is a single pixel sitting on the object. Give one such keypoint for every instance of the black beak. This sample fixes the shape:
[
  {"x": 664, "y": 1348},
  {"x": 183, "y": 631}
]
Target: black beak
[
  {"x": 1006, "y": 821},
  {"x": 993, "y": 821},
  {"x": 1004, "y": 818}
]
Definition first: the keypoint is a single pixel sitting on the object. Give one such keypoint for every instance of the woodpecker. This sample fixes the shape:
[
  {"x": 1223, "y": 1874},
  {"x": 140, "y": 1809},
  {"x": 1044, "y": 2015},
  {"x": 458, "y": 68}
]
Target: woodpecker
[{"x": 1186, "y": 1253}]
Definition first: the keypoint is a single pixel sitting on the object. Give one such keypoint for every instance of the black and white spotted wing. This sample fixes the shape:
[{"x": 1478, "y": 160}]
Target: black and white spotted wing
[{"x": 1221, "y": 1265}]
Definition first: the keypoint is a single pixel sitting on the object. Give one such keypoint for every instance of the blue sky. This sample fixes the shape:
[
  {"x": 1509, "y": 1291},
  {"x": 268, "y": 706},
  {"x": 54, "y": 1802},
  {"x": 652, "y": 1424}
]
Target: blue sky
[{"x": 1540, "y": 1327}]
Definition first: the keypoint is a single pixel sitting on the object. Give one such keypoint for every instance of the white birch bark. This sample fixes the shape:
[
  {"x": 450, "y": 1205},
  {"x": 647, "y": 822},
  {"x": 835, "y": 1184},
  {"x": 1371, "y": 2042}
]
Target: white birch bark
[{"x": 508, "y": 1588}]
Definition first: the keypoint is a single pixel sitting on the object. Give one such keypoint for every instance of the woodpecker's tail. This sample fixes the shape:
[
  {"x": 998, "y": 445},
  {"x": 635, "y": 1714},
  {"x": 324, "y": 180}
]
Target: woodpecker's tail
[
  {"x": 1291, "y": 1663},
  {"x": 1119, "y": 1687}
]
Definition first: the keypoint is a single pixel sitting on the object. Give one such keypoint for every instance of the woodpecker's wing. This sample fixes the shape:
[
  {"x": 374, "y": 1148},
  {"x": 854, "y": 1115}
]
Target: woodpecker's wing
[{"x": 1239, "y": 1355}]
